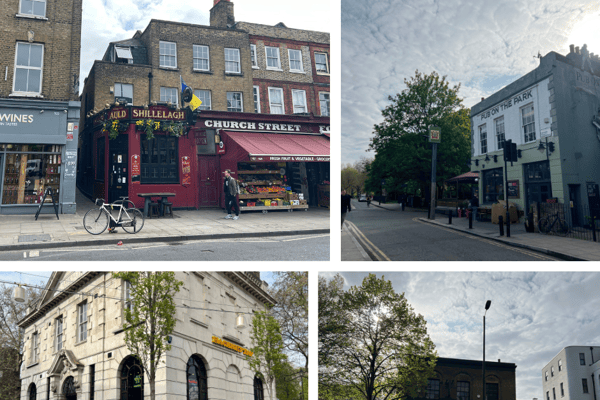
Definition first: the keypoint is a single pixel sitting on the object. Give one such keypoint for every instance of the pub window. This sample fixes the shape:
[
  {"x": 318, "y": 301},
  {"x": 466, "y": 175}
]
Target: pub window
[
  {"x": 168, "y": 94},
  {"x": 259, "y": 393},
  {"x": 256, "y": 94},
  {"x": 463, "y": 390},
  {"x": 29, "y": 61},
  {"x": 234, "y": 102},
  {"x": 32, "y": 392},
  {"x": 82, "y": 322},
  {"x": 132, "y": 379},
  {"x": 324, "y": 102},
  {"x": 168, "y": 54},
  {"x": 253, "y": 56},
  {"x": 433, "y": 389},
  {"x": 500, "y": 132},
  {"x": 232, "y": 61},
  {"x": 492, "y": 185},
  {"x": 276, "y": 101},
  {"x": 201, "y": 58},
  {"x": 124, "y": 93},
  {"x": 528, "y": 123},
  {"x": 204, "y": 96},
  {"x": 483, "y": 138},
  {"x": 159, "y": 160},
  {"x": 197, "y": 379},
  {"x": 36, "y": 8},
  {"x": 59, "y": 333}
]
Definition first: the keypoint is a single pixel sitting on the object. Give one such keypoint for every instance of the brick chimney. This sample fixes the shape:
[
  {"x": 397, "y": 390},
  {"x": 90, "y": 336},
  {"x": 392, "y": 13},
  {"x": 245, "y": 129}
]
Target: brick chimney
[{"x": 221, "y": 15}]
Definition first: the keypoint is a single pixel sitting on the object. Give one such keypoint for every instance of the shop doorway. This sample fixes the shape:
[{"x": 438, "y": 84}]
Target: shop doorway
[
  {"x": 574, "y": 198},
  {"x": 208, "y": 180},
  {"x": 132, "y": 380},
  {"x": 537, "y": 183},
  {"x": 68, "y": 389},
  {"x": 117, "y": 168}
]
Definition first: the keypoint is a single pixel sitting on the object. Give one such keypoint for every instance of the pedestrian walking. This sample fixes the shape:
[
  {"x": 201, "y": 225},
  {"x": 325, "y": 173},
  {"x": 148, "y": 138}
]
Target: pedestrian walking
[
  {"x": 345, "y": 205},
  {"x": 474, "y": 205},
  {"x": 368, "y": 201},
  {"x": 231, "y": 189}
]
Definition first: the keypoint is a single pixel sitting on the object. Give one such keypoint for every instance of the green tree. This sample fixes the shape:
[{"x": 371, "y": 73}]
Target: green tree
[
  {"x": 350, "y": 179},
  {"x": 12, "y": 338},
  {"x": 388, "y": 354},
  {"x": 150, "y": 318},
  {"x": 268, "y": 358},
  {"x": 288, "y": 382},
  {"x": 403, "y": 154}
]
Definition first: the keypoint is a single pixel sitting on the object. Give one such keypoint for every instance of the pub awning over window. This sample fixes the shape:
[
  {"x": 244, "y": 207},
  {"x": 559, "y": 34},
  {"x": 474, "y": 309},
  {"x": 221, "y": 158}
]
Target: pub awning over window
[{"x": 282, "y": 147}]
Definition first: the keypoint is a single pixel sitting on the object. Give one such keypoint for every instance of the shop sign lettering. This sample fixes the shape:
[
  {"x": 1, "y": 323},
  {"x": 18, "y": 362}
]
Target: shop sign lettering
[
  {"x": 587, "y": 79},
  {"x": 13, "y": 119},
  {"x": 140, "y": 113},
  {"x": 211, "y": 123},
  {"x": 232, "y": 346},
  {"x": 118, "y": 114},
  {"x": 292, "y": 158},
  {"x": 507, "y": 104}
]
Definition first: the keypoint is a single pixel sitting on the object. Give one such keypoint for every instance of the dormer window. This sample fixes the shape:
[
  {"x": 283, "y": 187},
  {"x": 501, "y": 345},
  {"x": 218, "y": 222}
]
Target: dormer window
[{"x": 123, "y": 55}]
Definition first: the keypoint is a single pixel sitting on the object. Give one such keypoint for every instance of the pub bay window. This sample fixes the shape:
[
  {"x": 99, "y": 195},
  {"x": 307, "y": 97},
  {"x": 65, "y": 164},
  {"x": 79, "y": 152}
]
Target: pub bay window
[
  {"x": 35, "y": 8},
  {"x": 204, "y": 96},
  {"x": 168, "y": 54},
  {"x": 201, "y": 58},
  {"x": 232, "y": 61},
  {"x": 159, "y": 160},
  {"x": 276, "y": 101},
  {"x": 234, "y": 102},
  {"x": 29, "y": 60}
]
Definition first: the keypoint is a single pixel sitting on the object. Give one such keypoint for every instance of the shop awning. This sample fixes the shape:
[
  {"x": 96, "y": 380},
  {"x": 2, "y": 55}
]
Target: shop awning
[
  {"x": 468, "y": 176},
  {"x": 282, "y": 147}
]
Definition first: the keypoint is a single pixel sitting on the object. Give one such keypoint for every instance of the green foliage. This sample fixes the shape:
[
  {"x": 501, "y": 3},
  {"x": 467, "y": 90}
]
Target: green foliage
[
  {"x": 268, "y": 359},
  {"x": 355, "y": 175},
  {"x": 403, "y": 154},
  {"x": 151, "y": 318},
  {"x": 114, "y": 127},
  {"x": 288, "y": 382},
  {"x": 388, "y": 353}
]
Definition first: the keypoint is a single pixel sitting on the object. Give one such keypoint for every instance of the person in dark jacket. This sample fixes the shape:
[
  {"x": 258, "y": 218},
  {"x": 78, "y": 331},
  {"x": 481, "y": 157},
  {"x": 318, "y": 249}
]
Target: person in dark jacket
[
  {"x": 231, "y": 189},
  {"x": 345, "y": 205}
]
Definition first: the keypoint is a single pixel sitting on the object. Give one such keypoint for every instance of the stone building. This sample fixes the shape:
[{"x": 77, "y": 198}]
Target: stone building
[
  {"x": 553, "y": 115},
  {"x": 75, "y": 349},
  {"x": 574, "y": 373},
  {"x": 459, "y": 379},
  {"x": 39, "y": 107}
]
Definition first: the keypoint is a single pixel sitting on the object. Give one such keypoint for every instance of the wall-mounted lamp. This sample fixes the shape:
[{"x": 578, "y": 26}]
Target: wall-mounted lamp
[
  {"x": 541, "y": 147},
  {"x": 217, "y": 138},
  {"x": 111, "y": 89},
  {"x": 240, "y": 322}
]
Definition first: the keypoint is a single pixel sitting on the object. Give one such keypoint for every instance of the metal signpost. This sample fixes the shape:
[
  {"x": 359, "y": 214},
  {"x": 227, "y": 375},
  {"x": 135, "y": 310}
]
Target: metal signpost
[
  {"x": 434, "y": 139},
  {"x": 510, "y": 154}
]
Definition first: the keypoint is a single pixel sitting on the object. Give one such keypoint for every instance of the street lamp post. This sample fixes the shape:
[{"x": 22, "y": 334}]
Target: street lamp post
[{"x": 487, "y": 307}]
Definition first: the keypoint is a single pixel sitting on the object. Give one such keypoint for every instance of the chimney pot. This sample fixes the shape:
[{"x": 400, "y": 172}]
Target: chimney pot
[
  {"x": 483, "y": 98},
  {"x": 499, "y": 360},
  {"x": 576, "y": 49}
]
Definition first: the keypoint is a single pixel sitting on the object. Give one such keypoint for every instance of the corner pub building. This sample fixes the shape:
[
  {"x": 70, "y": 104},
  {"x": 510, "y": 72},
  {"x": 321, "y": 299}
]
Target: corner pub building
[{"x": 75, "y": 349}]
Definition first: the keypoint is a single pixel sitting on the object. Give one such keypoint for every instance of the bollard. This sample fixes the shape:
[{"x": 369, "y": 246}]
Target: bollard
[
  {"x": 501, "y": 223},
  {"x": 594, "y": 228},
  {"x": 450, "y": 218},
  {"x": 470, "y": 214},
  {"x": 507, "y": 224}
]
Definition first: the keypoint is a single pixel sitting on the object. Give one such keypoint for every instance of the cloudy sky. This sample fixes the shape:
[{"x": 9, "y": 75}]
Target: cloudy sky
[
  {"x": 106, "y": 21},
  {"x": 481, "y": 44},
  {"x": 532, "y": 317}
]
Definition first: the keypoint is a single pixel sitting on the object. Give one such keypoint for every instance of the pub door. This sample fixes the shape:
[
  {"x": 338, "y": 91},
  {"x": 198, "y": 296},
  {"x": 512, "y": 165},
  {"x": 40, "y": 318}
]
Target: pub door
[
  {"x": 69, "y": 390},
  {"x": 208, "y": 180},
  {"x": 117, "y": 167}
]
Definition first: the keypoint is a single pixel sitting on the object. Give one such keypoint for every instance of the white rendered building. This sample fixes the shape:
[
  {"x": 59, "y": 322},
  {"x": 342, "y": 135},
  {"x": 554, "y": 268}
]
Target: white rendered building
[
  {"x": 573, "y": 374},
  {"x": 75, "y": 349}
]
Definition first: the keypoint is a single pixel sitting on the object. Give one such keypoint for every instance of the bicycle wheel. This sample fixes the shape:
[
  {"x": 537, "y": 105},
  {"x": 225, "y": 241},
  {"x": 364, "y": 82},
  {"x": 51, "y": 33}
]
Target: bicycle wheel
[
  {"x": 562, "y": 228},
  {"x": 133, "y": 220},
  {"x": 544, "y": 225},
  {"x": 95, "y": 221}
]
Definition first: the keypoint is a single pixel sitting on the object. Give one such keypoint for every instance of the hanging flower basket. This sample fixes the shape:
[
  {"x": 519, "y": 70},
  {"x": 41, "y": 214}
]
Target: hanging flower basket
[
  {"x": 114, "y": 127},
  {"x": 149, "y": 126}
]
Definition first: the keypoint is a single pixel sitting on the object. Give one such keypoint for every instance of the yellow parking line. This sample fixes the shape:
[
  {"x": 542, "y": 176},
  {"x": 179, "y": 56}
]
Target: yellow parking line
[{"x": 367, "y": 243}]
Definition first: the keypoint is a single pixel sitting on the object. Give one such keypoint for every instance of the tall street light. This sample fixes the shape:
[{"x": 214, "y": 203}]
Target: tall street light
[{"x": 487, "y": 307}]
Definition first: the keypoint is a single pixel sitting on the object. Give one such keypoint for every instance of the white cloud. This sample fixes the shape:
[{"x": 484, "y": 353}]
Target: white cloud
[
  {"x": 472, "y": 42},
  {"x": 532, "y": 317}
]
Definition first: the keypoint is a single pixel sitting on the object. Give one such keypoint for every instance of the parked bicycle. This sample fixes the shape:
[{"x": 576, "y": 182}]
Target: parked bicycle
[
  {"x": 553, "y": 223},
  {"x": 128, "y": 217}
]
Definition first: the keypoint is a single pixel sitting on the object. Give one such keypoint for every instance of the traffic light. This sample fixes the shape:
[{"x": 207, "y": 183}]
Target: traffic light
[
  {"x": 190, "y": 116},
  {"x": 550, "y": 147},
  {"x": 510, "y": 151}
]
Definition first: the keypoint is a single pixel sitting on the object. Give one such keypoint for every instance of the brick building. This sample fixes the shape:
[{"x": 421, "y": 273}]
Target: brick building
[
  {"x": 221, "y": 63},
  {"x": 75, "y": 349},
  {"x": 39, "y": 107},
  {"x": 459, "y": 379}
]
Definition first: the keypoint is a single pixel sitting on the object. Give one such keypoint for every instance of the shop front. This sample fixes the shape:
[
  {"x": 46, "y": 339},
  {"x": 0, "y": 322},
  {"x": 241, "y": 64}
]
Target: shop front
[{"x": 38, "y": 155}]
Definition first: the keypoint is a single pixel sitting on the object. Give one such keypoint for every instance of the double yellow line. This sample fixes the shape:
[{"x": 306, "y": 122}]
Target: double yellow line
[{"x": 370, "y": 248}]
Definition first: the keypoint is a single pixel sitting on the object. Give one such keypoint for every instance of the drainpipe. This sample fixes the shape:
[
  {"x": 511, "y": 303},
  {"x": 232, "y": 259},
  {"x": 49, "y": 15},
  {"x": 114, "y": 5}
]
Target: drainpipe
[
  {"x": 594, "y": 386},
  {"x": 103, "y": 339},
  {"x": 592, "y": 351},
  {"x": 150, "y": 76}
]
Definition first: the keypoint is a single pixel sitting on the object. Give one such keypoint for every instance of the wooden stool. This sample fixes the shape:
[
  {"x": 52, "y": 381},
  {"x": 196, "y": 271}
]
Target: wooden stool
[
  {"x": 154, "y": 210},
  {"x": 167, "y": 208}
]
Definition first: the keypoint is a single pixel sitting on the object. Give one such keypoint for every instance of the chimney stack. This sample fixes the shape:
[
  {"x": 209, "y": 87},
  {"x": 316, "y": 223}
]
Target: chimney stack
[
  {"x": 221, "y": 15},
  {"x": 576, "y": 49},
  {"x": 572, "y": 48}
]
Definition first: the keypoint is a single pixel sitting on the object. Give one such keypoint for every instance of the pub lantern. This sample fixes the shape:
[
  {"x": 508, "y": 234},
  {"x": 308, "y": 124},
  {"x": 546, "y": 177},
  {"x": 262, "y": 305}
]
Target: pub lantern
[
  {"x": 240, "y": 322},
  {"x": 19, "y": 294}
]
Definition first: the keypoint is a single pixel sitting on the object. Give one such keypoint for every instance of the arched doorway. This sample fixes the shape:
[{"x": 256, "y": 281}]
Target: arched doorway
[
  {"x": 32, "y": 392},
  {"x": 196, "y": 379},
  {"x": 258, "y": 389},
  {"x": 68, "y": 389},
  {"x": 132, "y": 379}
]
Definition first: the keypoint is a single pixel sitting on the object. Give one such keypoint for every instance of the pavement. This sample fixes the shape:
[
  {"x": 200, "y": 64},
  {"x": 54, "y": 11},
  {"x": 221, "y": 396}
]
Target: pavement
[
  {"x": 560, "y": 247},
  {"x": 22, "y": 232}
]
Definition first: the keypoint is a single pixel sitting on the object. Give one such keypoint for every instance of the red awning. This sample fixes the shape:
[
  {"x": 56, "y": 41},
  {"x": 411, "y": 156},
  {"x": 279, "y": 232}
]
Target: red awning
[{"x": 282, "y": 147}]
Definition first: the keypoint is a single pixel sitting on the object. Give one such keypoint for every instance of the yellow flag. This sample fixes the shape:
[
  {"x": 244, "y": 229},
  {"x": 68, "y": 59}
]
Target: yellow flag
[{"x": 195, "y": 102}]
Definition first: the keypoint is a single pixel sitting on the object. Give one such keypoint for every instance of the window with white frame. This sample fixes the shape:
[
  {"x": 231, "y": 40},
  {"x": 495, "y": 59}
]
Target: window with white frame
[
  {"x": 232, "y": 61},
  {"x": 204, "y": 96},
  {"x": 168, "y": 54},
  {"x": 234, "y": 102},
  {"x": 559, "y": 365},
  {"x": 128, "y": 302},
  {"x": 201, "y": 58},
  {"x": 273, "y": 61},
  {"x": 169, "y": 94},
  {"x": 29, "y": 60},
  {"x": 123, "y": 55},
  {"x": 253, "y": 56},
  {"x": 35, "y": 343},
  {"x": 59, "y": 334},
  {"x": 35, "y": 8},
  {"x": 82, "y": 320},
  {"x": 276, "y": 101},
  {"x": 483, "y": 138},
  {"x": 528, "y": 123},
  {"x": 324, "y": 102},
  {"x": 321, "y": 63},
  {"x": 546, "y": 376},
  {"x": 500, "y": 136},
  {"x": 124, "y": 91},
  {"x": 256, "y": 94},
  {"x": 299, "y": 101},
  {"x": 295, "y": 60}
]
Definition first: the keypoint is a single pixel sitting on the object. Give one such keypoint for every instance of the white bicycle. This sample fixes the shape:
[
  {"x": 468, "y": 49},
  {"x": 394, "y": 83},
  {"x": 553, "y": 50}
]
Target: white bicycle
[{"x": 128, "y": 217}]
